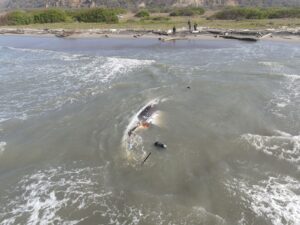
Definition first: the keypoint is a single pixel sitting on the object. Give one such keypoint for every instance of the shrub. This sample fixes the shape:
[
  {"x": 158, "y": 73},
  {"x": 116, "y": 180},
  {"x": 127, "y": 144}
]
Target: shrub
[
  {"x": 284, "y": 13},
  {"x": 119, "y": 11},
  {"x": 188, "y": 11},
  {"x": 142, "y": 14},
  {"x": 96, "y": 15},
  {"x": 158, "y": 9},
  {"x": 50, "y": 16},
  {"x": 18, "y": 18},
  {"x": 160, "y": 18},
  {"x": 238, "y": 13},
  {"x": 3, "y": 20}
]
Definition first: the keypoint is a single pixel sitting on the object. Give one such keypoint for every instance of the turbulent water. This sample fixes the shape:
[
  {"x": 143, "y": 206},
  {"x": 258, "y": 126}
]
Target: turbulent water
[{"x": 233, "y": 137}]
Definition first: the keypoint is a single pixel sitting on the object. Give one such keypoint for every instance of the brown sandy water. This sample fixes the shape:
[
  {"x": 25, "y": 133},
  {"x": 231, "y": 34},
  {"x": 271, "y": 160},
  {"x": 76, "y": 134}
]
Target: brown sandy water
[{"x": 233, "y": 138}]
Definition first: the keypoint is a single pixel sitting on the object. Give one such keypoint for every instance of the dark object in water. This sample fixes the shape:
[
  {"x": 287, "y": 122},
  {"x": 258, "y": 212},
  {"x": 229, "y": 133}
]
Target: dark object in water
[
  {"x": 241, "y": 38},
  {"x": 160, "y": 145},
  {"x": 188, "y": 87},
  {"x": 147, "y": 113},
  {"x": 146, "y": 158},
  {"x": 132, "y": 129},
  {"x": 143, "y": 118},
  {"x": 64, "y": 34}
]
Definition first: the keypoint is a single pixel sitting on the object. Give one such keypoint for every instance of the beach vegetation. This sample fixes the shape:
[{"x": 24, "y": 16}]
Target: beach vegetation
[
  {"x": 160, "y": 18},
  {"x": 157, "y": 18},
  {"x": 240, "y": 13},
  {"x": 49, "y": 16},
  {"x": 142, "y": 14},
  {"x": 54, "y": 15},
  {"x": 98, "y": 15},
  {"x": 187, "y": 11},
  {"x": 17, "y": 18},
  {"x": 156, "y": 9}
]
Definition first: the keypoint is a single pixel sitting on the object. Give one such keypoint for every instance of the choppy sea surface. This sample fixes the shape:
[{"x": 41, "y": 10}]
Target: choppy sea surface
[{"x": 233, "y": 137}]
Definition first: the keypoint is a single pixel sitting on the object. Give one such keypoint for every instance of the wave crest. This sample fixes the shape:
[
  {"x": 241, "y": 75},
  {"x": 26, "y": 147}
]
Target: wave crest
[
  {"x": 37, "y": 81},
  {"x": 283, "y": 146},
  {"x": 276, "y": 198}
]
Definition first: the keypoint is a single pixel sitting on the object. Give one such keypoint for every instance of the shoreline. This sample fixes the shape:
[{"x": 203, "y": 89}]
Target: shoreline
[{"x": 286, "y": 35}]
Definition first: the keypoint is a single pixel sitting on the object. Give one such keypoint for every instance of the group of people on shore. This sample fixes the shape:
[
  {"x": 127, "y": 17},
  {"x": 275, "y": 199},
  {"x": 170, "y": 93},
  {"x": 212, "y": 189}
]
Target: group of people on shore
[
  {"x": 195, "y": 26},
  {"x": 190, "y": 26}
]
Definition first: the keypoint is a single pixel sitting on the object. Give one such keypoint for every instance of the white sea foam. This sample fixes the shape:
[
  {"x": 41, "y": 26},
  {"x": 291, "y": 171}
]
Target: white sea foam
[
  {"x": 277, "y": 198},
  {"x": 289, "y": 93},
  {"x": 42, "y": 80},
  {"x": 64, "y": 195},
  {"x": 283, "y": 146},
  {"x": 288, "y": 96},
  {"x": 46, "y": 193},
  {"x": 2, "y": 146},
  {"x": 274, "y": 67}
]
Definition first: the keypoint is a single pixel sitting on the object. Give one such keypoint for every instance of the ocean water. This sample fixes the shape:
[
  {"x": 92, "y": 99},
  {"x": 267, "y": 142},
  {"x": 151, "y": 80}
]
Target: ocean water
[{"x": 233, "y": 136}]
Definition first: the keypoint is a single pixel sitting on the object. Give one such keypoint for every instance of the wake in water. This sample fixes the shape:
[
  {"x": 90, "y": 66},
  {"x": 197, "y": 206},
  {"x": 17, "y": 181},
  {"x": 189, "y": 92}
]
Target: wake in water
[{"x": 132, "y": 140}]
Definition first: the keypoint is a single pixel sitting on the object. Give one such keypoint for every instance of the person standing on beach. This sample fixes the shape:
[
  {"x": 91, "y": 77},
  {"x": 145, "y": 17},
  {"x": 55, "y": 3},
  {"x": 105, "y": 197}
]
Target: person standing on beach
[
  {"x": 190, "y": 25},
  {"x": 195, "y": 26},
  {"x": 174, "y": 30}
]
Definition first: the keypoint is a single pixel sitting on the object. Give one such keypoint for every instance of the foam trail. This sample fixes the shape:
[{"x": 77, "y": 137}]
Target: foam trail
[
  {"x": 283, "y": 146},
  {"x": 59, "y": 78},
  {"x": 287, "y": 96},
  {"x": 2, "y": 146},
  {"x": 132, "y": 142},
  {"x": 40, "y": 197},
  {"x": 276, "y": 198}
]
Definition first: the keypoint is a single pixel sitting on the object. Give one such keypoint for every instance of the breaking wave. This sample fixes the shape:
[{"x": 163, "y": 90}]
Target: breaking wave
[
  {"x": 288, "y": 96},
  {"x": 40, "y": 80},
  {"x": 275, "y": 198},
  {"x": 283, "y": 146},
  {"x": 289, "y": 93},
  {"x": 45, "y": 194},
  {"x": 2, "y": 146},
  {"x": 46, "y": 197}
]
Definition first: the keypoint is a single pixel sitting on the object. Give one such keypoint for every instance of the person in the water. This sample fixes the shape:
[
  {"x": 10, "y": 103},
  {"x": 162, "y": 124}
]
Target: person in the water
[{"x": 160, "y": 145}]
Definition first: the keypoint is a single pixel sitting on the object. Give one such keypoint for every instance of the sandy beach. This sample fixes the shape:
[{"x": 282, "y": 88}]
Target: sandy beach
[{"x": 203, "y": 33}]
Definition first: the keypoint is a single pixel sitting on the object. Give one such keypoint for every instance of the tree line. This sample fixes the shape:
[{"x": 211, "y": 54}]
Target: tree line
[
  {"x": 239, "y": 13},
  {"x": 56, "y": 15}
]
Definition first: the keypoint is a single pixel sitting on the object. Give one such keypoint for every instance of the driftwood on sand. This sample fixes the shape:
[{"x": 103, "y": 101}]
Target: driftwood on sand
[
  {"x": 64, "y": 34},
  {"x": 181, "y": 34},
  {"x": 241, "y": 38}
]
